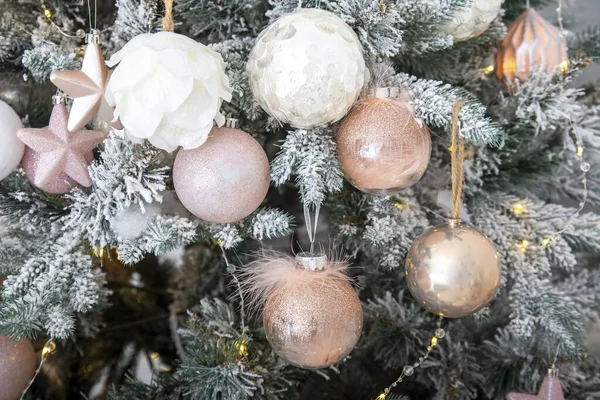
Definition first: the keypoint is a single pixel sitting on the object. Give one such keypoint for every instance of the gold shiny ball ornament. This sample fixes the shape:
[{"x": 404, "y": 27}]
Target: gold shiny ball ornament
[
  {"x": 312, "y": 316},
  {"x": 381, "y": 146},
  {"x": 453, "y": 270},
  {"x": 532, "y": 43}
]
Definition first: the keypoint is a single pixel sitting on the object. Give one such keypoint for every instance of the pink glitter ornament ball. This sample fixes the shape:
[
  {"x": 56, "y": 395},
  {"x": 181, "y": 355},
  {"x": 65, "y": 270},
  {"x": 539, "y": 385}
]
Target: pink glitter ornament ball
[
  {"x": 382, "y": 147},
  {"x": 17, "y": 366},
  {"x": 225, "y": 179}
]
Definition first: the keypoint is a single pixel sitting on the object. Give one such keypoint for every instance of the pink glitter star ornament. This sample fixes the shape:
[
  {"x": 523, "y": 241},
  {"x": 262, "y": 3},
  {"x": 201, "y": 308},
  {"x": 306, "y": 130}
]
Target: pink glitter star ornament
[
  {"x": 55, "y": 159},
  {"x": 550, "y": 390},
  {"x": 87, "y": 87}
]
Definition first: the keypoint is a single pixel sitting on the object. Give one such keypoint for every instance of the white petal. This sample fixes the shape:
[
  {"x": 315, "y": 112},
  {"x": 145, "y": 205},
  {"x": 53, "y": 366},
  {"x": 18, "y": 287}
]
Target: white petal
[
  {"x": 137, "y": 120},
  {"x": 135, "y": 68},
  {"x": 218, "y": 85},
  {"x": 163, "y": 91},
  {"x": 199, "y": 138},
  {"x": 160, "y": 142},
  {"x": 131, "y": 46},
  {"x": 198, "y": 109},
  {"x": 176, "y": 62}
]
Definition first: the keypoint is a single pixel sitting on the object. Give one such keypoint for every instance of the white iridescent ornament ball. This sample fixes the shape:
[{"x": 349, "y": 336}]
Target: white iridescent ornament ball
[
  {"x": 12, "y": 149},
  {"x": 472, "y": 20},
  {"x": 307, "y": 68},
  {"x": 168, "y": 88}
]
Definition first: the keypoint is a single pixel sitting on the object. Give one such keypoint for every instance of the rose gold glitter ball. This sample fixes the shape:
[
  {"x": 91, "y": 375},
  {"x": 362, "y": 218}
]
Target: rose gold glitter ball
[
  {"x": 17, "y": 365},
  {"x": 225, "y": 179},
  {"x": 382, "y": 147},
  {"x": 313, "y": 325}
]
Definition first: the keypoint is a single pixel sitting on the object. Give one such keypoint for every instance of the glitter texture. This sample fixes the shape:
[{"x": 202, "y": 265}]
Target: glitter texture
[
  {"x": 312, "y": 319},
  {"x": 307, "y": 68},
  {"x": 550, "y": 390},
  {"x": 453, "y": 270},
  {"x": 87, "y": 88},
  {"x": 225, "y": 179},
  {"x": 61, "y": 157},
  {"x": 12, "y": 148},
  {"x": 17, "y": 366},
  {"x": 382, "y": 147}
]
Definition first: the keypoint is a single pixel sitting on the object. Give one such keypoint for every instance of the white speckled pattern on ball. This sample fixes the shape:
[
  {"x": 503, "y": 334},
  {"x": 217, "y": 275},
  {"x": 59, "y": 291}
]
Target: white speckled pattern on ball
[
  {"x": 17, "y": 365},
  {"x": 472, "y": 20},
  {"x": 225, "y": 179},
  {"x": 307, "y": 68}
]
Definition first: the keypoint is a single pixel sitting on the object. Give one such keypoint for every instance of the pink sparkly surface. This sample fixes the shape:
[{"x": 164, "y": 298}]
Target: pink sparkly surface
[
  {"x": 225, "y": 179},
  {"x": 550, "y": 390},
  {"x": 17, "y": 365},
  {"x": 56, "y": 159}
]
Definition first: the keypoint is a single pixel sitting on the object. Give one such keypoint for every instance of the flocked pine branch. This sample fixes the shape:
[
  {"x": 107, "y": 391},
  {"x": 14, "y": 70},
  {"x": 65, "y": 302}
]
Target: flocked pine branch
[
  {"x": 433, "y": 102},
  {"x": 125, "y": 175},
  {"x": 222, "y": 20},
  {"x": 134, "y": 17},
  {"x": 311, "y": 156},
  {"x": 46, "y": 58}
]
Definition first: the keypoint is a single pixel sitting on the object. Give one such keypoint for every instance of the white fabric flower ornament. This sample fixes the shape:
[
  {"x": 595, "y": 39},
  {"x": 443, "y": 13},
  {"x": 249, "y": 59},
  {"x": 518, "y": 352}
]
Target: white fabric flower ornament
[{"x": 168, "y": 88}]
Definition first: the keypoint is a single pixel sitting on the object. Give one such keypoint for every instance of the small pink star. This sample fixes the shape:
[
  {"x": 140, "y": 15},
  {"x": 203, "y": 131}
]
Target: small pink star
[
  {"x": 59, "y": 150},
  {"x": 550, "y": 390}
]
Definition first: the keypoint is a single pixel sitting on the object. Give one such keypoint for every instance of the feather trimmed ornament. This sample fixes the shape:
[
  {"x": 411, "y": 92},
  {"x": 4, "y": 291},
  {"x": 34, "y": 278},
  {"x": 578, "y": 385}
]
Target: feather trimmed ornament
[
  {"x": 531, "y": 43},
  {"x": 168, "y": 88},
  {"x": 312, "y": 315},
  {"x": 383, "y": 148},
  {"x": 307, "y": 68}
]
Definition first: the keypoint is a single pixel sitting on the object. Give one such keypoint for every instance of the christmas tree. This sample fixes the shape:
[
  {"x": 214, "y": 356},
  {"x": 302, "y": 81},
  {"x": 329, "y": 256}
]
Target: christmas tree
[{"x": 277, "y": 199}]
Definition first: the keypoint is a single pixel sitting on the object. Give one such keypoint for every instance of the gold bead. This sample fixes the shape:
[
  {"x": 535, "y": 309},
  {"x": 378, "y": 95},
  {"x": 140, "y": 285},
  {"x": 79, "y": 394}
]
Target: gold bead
[
  {"x": 488, "y": 70},
  {"x": 518, "y": 208},
  {"x": 47, "y": 13},
  {"x": 546, "y": 242},
  {"x": 154, "y": 355},
  {"x": 400, "y": 206},
  {"x": 219, "y": 242},
  {"x": 523, "y": 245},
  {"x": 382, "y": 396},
  {"x": 579, "y": 150},
  {"x": 564, "y": 66},
  {"x": 434, "y": 341},
  {"x": 241, "y": 347}
]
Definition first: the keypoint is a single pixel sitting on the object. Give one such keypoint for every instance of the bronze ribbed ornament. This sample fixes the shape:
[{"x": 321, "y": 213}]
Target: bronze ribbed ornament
[{"x": 531, "y": 43}]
